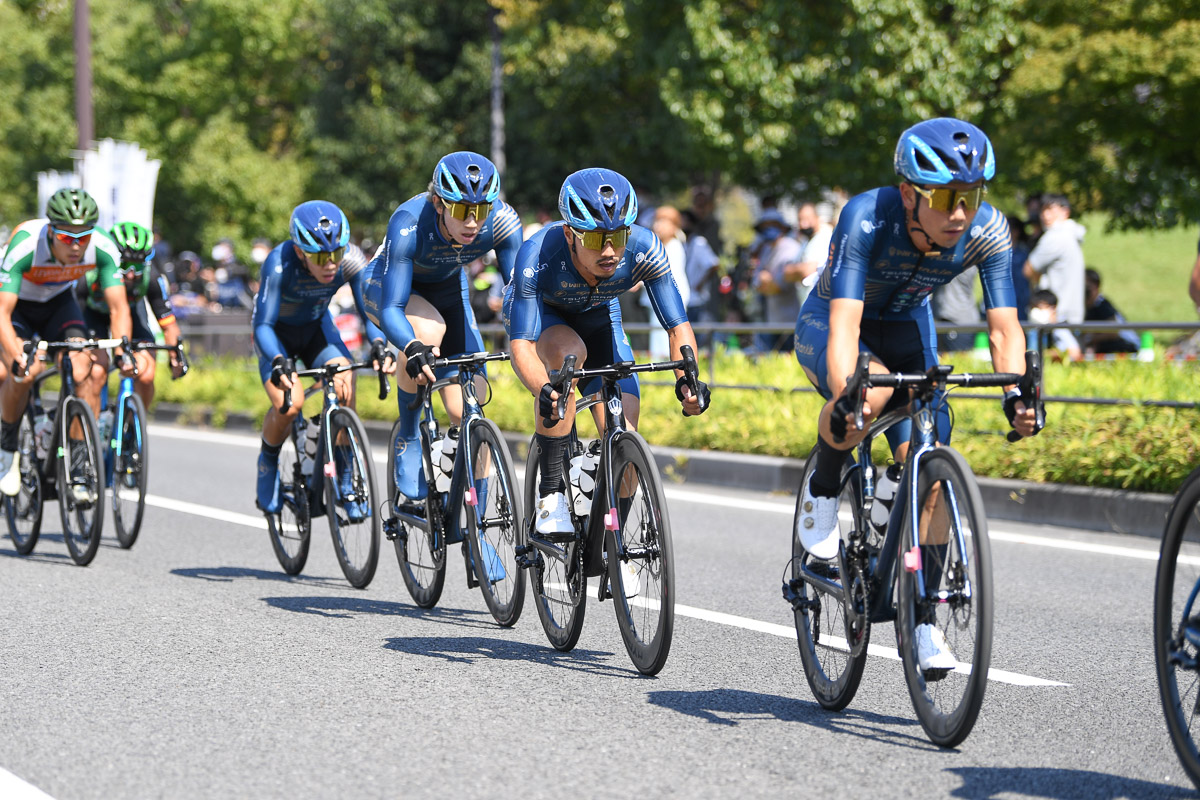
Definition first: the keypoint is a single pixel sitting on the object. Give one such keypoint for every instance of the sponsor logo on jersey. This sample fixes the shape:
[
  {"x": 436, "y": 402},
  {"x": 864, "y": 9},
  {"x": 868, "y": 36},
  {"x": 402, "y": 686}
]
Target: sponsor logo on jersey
[
  {"x": 639, "y": 258},
  {"x": 870, "y": 227},
  {"x": 408, "y": 230}
]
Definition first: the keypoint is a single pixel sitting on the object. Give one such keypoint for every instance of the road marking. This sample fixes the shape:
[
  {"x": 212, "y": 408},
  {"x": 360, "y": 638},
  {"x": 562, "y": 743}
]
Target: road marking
[
  {"x": 198, "y": 510},
  {"x": 13, "y": 788}
]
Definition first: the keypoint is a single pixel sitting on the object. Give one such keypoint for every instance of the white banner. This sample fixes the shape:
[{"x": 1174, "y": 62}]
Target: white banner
[{"x": 117, "y": 174}]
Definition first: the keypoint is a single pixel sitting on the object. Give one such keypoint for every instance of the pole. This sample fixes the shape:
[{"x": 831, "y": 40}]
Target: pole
[
  {"x": 83, "y": 75},
  {"x": 497, "y": 93}
]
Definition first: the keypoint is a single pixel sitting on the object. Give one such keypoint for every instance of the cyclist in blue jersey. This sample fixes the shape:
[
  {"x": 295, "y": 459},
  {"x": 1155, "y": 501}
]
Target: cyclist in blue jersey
[
  {"x": 563, "y": 300},
  {"x": 891, "y": 248},
  {"x": 291, "y": 320},
  {"x": 418, "y": 290}
]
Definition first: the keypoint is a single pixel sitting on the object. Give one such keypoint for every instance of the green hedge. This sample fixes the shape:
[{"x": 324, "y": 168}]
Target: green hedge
[{"x": 1125, "y": 447}]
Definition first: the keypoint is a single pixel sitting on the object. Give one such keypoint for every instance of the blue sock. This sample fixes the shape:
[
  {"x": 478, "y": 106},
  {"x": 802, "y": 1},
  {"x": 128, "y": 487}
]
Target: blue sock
[{"x": 409, "y": 418}]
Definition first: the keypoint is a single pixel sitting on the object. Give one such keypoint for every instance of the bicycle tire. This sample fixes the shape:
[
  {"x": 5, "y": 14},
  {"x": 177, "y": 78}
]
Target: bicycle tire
[
  {"x": 355, "y": 538},
  {"x": 1176, "y": 634},
  {"x": 23, "y": 512},
  {"x": 131, "y": 474},
  {"x": 421, "y": 555},
  {"x": 494, "y": 544},
  {"x": 82, "y": 519},
  {"x": 291, "y": 528},
  {"x": 948, "y": 703},
  {"x": 833, "y": 666},
  {"x": 559, "y": 588},
  {"x": 643, "y": 584}
]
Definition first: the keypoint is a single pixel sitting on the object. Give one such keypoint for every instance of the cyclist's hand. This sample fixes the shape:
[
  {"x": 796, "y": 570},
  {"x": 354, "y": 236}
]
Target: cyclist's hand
[
  {"x": 382, "y": 358},
  {"x": 841, "y": 419},
  {"x": 126, "y": 364},
  {"x": 279, "y": 377},
  {"x": 19, "y": 365},
  {"x": 693, "y": 405},
  {"x": 547, "y": 407},
  {"x": 176, "y": 364},
  {"x": 420, "y": 356},
  {"x": 1023, "y": 420}
]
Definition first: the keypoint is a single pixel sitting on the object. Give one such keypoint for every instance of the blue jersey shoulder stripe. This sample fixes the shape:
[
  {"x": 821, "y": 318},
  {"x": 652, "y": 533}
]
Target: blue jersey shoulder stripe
[{"x": 655, "y": 262}]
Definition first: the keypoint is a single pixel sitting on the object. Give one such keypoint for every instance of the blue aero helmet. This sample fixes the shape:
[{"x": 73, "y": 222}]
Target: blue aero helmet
[
  {"x": 944, "y": 150},
  {"x": 319, "y": 226},
  {"x": 466, "y": 177},
  {"x": 597, "y": 199}
]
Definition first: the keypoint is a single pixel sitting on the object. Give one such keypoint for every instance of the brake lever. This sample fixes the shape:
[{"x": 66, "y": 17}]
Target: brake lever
[
  {"x": 1031, "y": 386},
  {"x": 691, "y": 375},
  {"x": 862, "y": 374},
  {"x": 560, "y": 381}
]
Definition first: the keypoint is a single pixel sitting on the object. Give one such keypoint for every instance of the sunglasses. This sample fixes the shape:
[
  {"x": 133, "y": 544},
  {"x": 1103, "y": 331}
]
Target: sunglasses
[
  {"x": 594, "y": 240},
  {"x": 321, "y": 259},
  {"x": 463, "y": 210},
  {"x": 946, "y": 200},
  {"x": 69, "y": 238}
]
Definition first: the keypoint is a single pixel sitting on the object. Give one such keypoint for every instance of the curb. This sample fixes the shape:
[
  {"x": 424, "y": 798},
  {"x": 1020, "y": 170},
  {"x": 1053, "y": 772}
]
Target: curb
[{"x": 1109, "y": 510}]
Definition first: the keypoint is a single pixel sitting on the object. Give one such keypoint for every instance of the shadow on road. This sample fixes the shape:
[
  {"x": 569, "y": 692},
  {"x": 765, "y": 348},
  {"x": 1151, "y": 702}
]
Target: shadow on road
[
  {"x": 346, "y": 607},
  {"x": 469, "y": 649},
  {"x": 980, "y": 783},
  {"x": 732, "y": 706},
  {"x": 39, "y": 555},
  {"x": 229, "y": 574}
]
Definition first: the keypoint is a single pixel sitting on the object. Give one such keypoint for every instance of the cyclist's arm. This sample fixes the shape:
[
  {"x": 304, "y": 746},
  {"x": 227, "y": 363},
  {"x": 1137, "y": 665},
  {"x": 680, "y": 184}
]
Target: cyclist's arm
[
  {"x": 266, "y": 307},
  {"x": 8, "y": 334},
  {"x": 528, "y": 365},
  {"x": 845, "y": 329},
  {"x": 120, "y": 320},
  {"x": 508, "y": 236},
  {"x": 358, "y": 287},
  {"x": 1194, "y": 285},
  {"x": 1007, "y": 340},
  {"x": 395, "y": 273}
]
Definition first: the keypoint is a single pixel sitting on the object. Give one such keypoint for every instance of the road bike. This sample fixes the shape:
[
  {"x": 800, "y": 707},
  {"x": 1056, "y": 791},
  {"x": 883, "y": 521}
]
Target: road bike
[
  {"x": 471, "y": 497},
  {"x": 122, "y": 425},
  {"x": 624, "y": 537},
  {"x": 1177, "y": 624},
  {"x": 61, "y": 457},
  {"x": 325, "y": 468},
  {"x": 926, "y": 561}
]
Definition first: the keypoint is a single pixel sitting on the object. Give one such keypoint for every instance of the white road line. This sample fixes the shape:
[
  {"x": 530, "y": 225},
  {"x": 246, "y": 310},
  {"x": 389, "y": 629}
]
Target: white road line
[
  {"x": 13, "y": 788},
  {"x": 717, "y": 617}
]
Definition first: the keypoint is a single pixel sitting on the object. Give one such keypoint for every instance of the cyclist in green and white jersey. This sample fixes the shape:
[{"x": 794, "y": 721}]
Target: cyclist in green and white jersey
[{"x": 42, "y": 261}]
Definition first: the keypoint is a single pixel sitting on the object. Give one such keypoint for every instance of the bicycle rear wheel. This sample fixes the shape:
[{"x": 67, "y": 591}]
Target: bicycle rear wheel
[
  {"x": 420, "y": 545},
  {"x": 494, "y": 524},
  {"x": 291, "y": 528},
  {"x": 643, "y": 584},
  {"x": 80, "y": 480},
  {"x": 1177, "y": 625},
  {"x": 833, "y": 647},
  {"x": 24, "y": 511},
  {"x": 559, "y": 587},
  {"x": 958, "y": 583},
  {"x": 130, "y": 472},
  {"x": 353, "y": 519}
]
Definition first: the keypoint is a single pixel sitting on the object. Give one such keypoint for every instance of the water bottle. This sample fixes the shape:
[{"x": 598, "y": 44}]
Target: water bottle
[
  {"x": 886, "y": 485},
  {"x": 105, "y": 423},
  {"x": 438, "y": 479},
  {"x": 446, "y": 459},
  {"x": 582, "y": 475},
  {"x": 308, "y": 458},
  {"x": 43, "y": 434}
]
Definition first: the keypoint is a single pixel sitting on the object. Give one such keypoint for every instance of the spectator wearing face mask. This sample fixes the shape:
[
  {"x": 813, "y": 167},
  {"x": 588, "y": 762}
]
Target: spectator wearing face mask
[
  {"x": 778, "y": 250},
  {"x": 1043, "y": 310},
  {"x": 1101, "y": 309},
  {"x": 815, "y": 225}
]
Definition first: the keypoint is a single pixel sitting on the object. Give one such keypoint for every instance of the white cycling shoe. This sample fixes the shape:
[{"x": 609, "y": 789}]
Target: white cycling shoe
[
  {"x": 553, "y": 516},
  {"x": 932, "y": 650},
  {"x": 10, "y": 473},
  {"x": 817, "y": 525}
]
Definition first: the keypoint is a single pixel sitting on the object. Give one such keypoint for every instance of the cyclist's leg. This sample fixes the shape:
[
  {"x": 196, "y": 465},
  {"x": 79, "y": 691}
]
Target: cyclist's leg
[
  {"x": 604, "y": 338},
  {"x": 143, "y": 384},
  {"x": 429, "y": 327},
  {"x": 326, "y": 347},
  {"x": 452, "y": 300},
  {"x": 14, "y": 396},
  {"x": 556, "y": 342},
  {"x": 275, "y": 425}
]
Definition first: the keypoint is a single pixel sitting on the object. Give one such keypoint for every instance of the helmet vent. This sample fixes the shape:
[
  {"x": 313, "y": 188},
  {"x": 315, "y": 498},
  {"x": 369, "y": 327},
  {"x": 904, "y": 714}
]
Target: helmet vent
[
  {"x": 608, "y": 195},
  {"x": 325, "y": 224},
  {"x": 474, "y": 173},
  {"x": 923, "y": 161}
]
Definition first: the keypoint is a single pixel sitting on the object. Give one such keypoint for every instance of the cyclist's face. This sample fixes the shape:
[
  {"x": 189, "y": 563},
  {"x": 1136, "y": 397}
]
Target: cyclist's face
[
  {"x": 459, "y": 231},
  {"x": 943, "y": 228},
  {"x": 599, "y": 264},
  {"x": 70, "y": 251},
  {"x": 322, "y": 272}
]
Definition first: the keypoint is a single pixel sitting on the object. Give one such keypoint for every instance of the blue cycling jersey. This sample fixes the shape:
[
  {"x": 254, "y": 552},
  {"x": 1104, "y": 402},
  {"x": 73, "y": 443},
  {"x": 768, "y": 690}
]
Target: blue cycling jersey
[
  {"x": 290, "y": 295},
  {"x": 872, "y": 258},
  {"x": 546, "y": 274},
  {"x": 415, "y": 252}
]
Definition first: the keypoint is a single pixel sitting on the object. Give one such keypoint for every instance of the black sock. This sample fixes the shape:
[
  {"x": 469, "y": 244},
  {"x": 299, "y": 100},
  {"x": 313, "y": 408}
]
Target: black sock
[
  {"x": 9, "y": 435},
  {"x": 550, "y": 463},
  {"x": 827, "y": 474},
  {"x": 271, "y": 450}
]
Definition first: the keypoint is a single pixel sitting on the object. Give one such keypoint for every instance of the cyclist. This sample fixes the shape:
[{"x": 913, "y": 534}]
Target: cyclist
[
  {"x": 291, "y": 320},
  {"x": 418, "y": 290},
  {"x": 141, "y": 280},
  {"x": 564, "y": 300},
  {"x": 891, "y": 248},
  {"x": 43, "y": 259}
]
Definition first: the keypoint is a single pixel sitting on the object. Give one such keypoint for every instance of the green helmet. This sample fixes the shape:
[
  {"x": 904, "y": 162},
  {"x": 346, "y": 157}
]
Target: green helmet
[
  {"x": 72, "y": 207},
  {"x": 135, "y": 242}
]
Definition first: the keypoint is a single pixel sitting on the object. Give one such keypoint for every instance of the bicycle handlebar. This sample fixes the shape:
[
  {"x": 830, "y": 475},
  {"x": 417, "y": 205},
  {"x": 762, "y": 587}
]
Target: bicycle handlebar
[
  {"x": 36, "y": 344},
  {"x": 464, "y": 359},
  {"x": 1030, "y": 385},
  {"x": 176, "y": 348},
  {"x": 562, "y": 379}
]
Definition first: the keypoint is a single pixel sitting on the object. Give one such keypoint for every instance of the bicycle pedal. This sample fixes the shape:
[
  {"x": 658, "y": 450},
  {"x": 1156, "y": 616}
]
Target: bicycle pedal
[
  {"x": 935, "y": 675},
  {"x": 604, "y": 592},
  {"x": 391, "y": 528},
  {"x": 527, "y": 556}
]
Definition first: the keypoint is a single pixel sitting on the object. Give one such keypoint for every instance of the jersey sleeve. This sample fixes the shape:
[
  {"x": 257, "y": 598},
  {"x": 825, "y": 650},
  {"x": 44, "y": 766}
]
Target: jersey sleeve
[
  {"x": 355, "y": 271},
  {"x": 266, "y": 306},
  {"x": 653, "y": 266},
  {"x": 991, "y": 248},
  {"x": 525, "y": 315},
  {"x": 507, "y": 238},
  {"x": 18, "y": 257},
  {"x": 108, "y": 261},
  {"x": 391, "y": 281},
  {"x": 850, "y": 254},
  {"x": 157, "y": 295}
]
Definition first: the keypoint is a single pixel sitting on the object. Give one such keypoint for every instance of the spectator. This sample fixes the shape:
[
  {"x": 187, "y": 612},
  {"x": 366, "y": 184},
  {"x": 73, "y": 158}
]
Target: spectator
[
  {"x": 163, "y": 257},
  {"x": 702, "y": 266},
  {"x": 707, "y": 224},
  {"x": 954, "y": 304},
  {"x": 230, "y": 277},
  {"x": 1099, "y": 309},
  {"x": 815, "y": 225},
  {"x": 777, "y": 250},
  {"x": 667, "y": 226},
  {"x": 543, "y": 219},
  {"x": 1194, "y": 285},
  {"x": 1043, "y": 310},
  {"x": 259, "y": 251},
  {"x": 1020, "y": 252},
  {"x": 1056, "y": 261}
]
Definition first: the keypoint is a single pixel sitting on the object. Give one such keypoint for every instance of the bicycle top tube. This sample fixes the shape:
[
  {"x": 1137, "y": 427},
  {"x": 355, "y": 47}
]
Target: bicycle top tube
[{"x": 465, "y": 363}]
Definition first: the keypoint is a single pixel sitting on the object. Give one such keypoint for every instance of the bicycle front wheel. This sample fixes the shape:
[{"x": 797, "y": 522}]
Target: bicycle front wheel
[
  {"x": 350, "y": 499},
  {"x": 956, "y": 561},
  {"x": 833, "y": 647},
  {"x": 420, "y": 546},
  {"x": 494, "y": 522},
  {"x": 291, "y": 528},
  {"x": 130, "y": 472},
  {"x": 24, "y": 511},
  {"x": 1177, "y": 624},
  {"x": 80, "y": 480},
  {"x": 559, "y": 586}
]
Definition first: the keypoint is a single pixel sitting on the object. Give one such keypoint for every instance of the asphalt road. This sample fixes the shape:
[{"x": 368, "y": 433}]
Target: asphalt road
[{"x": 191, "y": 666}]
